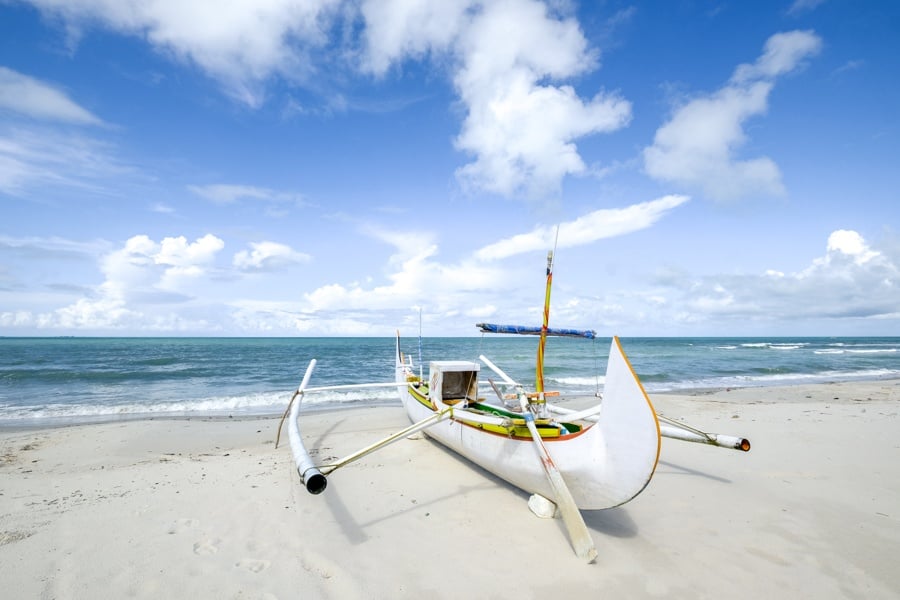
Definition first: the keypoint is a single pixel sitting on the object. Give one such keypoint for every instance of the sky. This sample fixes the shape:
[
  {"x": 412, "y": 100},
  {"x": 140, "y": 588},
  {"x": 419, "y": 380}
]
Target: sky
[{"x": 343, "y": 168}]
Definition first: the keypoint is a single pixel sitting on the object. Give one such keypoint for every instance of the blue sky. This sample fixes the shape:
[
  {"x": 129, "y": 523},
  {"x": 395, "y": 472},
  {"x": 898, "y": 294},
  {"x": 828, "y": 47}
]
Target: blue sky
[{"x": 331, "y": 167}]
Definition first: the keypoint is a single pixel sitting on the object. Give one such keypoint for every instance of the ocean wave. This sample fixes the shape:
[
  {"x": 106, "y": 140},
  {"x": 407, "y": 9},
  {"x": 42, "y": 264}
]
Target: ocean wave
[
  {"x": 846, "y": 350},
  {"x": 776, "y": 345},
  {"x": 775, "y": 379},
  {"x": 580, "y": 381},
  {"x": 257, "y": 377},
  {"x": 249, "y": 404}
]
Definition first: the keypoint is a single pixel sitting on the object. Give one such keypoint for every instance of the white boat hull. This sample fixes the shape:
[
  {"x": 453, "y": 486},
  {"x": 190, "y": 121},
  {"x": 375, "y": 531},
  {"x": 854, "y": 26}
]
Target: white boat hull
[{"x": 606, "y": 464}]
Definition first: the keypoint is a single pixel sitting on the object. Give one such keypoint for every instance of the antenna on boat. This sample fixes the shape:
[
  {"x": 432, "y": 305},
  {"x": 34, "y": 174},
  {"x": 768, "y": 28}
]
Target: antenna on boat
[{"x": 420, "y": 343}]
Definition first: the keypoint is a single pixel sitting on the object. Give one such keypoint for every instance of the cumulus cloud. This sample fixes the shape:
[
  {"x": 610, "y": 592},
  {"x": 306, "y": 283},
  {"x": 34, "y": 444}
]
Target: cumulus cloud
[
  {"x": 143, "y": 264},
  {"x": 139, "y": 273},
  {"x": 521, "y": 129},
  {"x": 39, "y": 100},
  {"x": 268, "y": 256},
  {"x": 480, "y": 282},
  {"x": 697, "y": 146},
  {"x": 600, "y": 224},
  {"x": 240, "y": 44},
  {"x": 414, "y": 273},
  {"x": 508, "y": 61},
  {"x": 400, "y": 29},
  {"x": 851, "y": 280},
  {"x": 849, "y": 244}
]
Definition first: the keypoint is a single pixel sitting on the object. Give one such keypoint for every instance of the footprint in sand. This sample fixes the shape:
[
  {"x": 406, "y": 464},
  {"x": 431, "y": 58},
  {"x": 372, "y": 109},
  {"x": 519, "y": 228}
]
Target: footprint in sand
[
  {"x": 181, "y": 525},
  {"x": 206, "y": 547},
  {"x": 252, "y": 564}
]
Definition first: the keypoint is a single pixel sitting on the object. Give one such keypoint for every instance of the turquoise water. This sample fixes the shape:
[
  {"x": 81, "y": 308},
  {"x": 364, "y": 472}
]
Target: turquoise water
[{"x": 44, "y": 380}]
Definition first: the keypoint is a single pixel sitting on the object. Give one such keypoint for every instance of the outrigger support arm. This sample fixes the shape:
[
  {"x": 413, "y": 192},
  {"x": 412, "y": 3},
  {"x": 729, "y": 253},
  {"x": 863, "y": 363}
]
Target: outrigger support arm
[
  {"x": 667, "y": 428},
  {"x": 680, "y": 431},
  {"x": 414, "y": 428},
  {"x": 313, "y": 477}
]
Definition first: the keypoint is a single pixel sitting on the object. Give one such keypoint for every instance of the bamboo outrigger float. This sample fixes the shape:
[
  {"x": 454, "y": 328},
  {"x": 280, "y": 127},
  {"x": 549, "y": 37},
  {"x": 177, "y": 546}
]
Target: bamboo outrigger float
[{"x": 596, "y": 458}]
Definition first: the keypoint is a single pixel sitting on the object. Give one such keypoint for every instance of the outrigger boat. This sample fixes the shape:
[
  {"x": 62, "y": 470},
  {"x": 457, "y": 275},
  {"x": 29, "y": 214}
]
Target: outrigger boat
[{"x": 569, "y": 460}]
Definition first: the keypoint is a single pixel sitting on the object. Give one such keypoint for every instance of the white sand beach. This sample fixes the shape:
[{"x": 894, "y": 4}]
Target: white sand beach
[{"x": 209, "y": 508}]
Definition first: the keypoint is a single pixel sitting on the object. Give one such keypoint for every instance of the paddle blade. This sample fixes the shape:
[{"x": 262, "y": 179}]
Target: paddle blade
[
  {"x": 581, "y": 539},
  {"x": 578, "y": 532}
]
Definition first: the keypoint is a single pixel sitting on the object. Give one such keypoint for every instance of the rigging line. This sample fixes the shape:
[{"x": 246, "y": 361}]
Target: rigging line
[
  {"x": 480, "y": 347},
  {"x": 420, "y": 343},
  {"x": 556, "y": 240}
]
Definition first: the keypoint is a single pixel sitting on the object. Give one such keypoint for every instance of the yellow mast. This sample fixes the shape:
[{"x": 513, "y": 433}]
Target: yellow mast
[{"x": 539, "y": 370}]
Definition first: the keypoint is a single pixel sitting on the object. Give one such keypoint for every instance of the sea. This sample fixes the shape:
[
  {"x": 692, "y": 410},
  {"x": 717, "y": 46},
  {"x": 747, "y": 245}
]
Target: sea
[{"x": 64, "y": 380}]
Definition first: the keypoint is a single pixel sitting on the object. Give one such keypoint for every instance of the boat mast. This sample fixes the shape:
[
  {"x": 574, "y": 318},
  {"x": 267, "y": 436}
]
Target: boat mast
[
  {"x": 539, "y": 370},
  {"x": 541, "y": 409}
]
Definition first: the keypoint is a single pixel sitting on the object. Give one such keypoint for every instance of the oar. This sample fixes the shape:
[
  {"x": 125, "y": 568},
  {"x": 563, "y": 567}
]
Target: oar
[{"x": 578, "y": 531}]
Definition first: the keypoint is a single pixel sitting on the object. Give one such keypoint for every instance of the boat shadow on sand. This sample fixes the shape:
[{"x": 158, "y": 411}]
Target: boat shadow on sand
[
  {"x": 682, "y": 470},
  {"x": 614, "y": 522}
]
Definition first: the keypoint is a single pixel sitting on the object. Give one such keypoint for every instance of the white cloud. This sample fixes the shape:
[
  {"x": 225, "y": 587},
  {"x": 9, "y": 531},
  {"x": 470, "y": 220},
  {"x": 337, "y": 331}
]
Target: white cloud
[
  {"x": 240, "y": 44},
  {"x": 802, "y": 6},
  {"x": 223, "y": 193},
  {"x": 851, "y": 244},
  {"x": 600, "y": 224},
  {"x": 143, "y": 265},
  {"x": 520, "y": 129},
  {"x": 414, "y": 277},
  {"x": 178, "y": 252},
  {"x": 783, "y": 53},
  {"x": 149, "y": 286},
  {"x": 851, "y": 281},
  {"x": 508, "y": 60},
  {"x": 697, "y": 147},
  {"x": 268, "y": 256},
  {"x": 398, "y": 29},
  {"x": 52, "y": 247},
  {"x": 103, "y": 313},
  {"x": 39, "y": 100},
  {"x": 41, "y": 156},
  {"x": 474, "y": 285},
  {"x": 141, "y": 272},
  {"x": 162, "y": 208}
]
